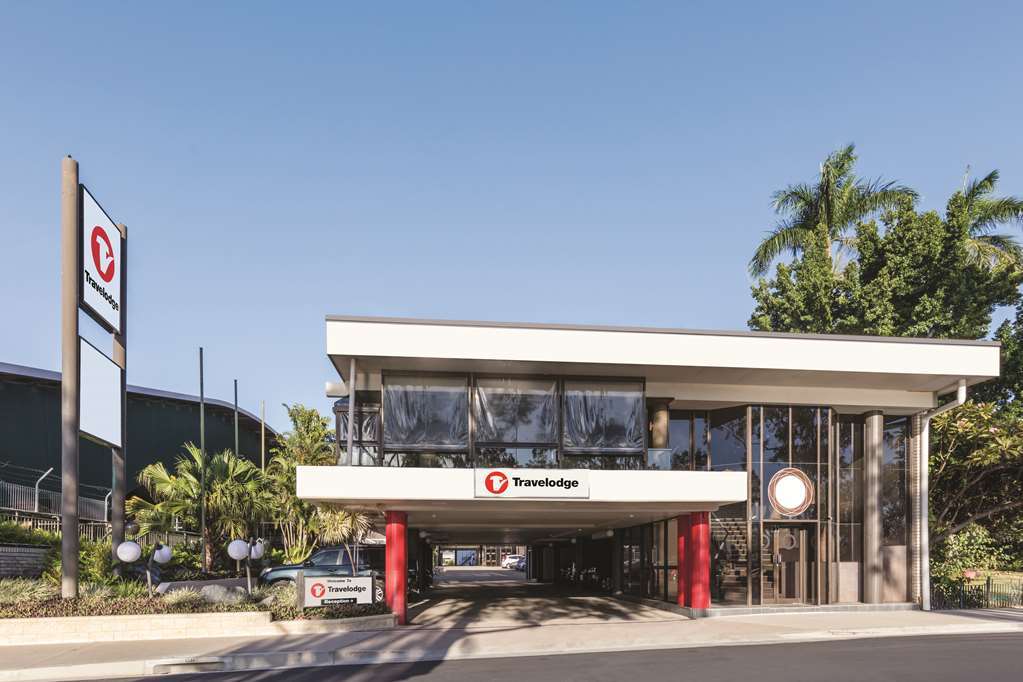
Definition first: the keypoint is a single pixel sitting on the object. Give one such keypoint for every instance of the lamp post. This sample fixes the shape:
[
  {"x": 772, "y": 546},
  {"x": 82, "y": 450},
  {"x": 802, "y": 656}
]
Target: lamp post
[
  {"x": 129, "y": 552},
  {"x": 247, "y": 551}
]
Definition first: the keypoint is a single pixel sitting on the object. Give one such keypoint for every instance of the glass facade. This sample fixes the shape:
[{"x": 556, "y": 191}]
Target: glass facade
[{"x": 766, "y": 550}]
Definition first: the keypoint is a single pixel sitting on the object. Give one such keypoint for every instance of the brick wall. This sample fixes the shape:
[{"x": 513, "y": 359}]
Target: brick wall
[{"x": 22, "y": 560}]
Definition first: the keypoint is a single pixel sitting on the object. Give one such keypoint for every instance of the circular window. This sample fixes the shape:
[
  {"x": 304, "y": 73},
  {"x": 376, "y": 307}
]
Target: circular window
[{"x": 790, "y": 492}]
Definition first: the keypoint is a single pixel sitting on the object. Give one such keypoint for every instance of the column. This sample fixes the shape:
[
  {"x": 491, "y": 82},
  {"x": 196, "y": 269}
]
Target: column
[
  {"x": 396, "y": 563},
  {"x": 682, "y": 538},
  {"x": 699, "y": 560},
  {"x": 657, "y": 408},
  {"x": 616, "y": 562},
  {"x": 873, "y": 454}
]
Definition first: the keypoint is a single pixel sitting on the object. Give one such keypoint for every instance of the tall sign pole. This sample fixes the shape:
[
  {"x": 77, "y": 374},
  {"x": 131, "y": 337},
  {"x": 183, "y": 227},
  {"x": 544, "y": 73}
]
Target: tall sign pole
[
  {"x": 235, "y": 417},
  {"x": 70, "y": 263},
  {"x": 118, "y": 487},
  {"x": 202, "y": 468},
  {"x": 262, "y": 435}
]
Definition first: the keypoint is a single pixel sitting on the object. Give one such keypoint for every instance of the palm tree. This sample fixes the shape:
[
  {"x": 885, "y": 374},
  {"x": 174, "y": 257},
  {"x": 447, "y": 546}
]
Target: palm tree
[
  {"x": 337, "y": 525},
  {"x": 833, "y": 205},
  {"x": 236, "y": 497},
  {"x": 976, "y": 212}
]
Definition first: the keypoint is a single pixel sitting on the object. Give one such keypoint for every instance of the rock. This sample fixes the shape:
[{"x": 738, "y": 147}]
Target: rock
[{"x": 219, "y": 594}]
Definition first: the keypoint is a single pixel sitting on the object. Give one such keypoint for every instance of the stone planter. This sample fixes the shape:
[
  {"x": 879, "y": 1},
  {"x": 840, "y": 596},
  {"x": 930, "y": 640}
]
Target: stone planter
[
  {"x": 21, "y": 631},
  {"x": 22, "y": 561}
]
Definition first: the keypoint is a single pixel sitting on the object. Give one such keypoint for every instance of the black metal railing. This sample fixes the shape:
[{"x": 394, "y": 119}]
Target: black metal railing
[{"x": 992, "y": 593}]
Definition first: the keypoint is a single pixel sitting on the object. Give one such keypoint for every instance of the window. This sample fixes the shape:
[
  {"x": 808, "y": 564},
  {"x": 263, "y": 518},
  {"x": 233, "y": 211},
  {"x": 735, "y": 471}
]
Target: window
[
  {"x": 893, "y": 481},
  {"x": 680, "y": 440},
  {"x": 523, "y": 458},
  {"x": 426, "y": 412},
  {"x": 728, "y": 439},
  {"x": 604, "y": 416},
  {"x": 366, "y": 439},
  {"x": 516, "y": 411}
]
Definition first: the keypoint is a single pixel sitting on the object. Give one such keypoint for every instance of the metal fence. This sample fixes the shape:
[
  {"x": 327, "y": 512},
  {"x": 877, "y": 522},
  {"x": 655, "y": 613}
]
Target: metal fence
[
  {"x": 990, "y": 594},
  {"x": 25, "y": 498},
  {"x": 95, "y": 530}
]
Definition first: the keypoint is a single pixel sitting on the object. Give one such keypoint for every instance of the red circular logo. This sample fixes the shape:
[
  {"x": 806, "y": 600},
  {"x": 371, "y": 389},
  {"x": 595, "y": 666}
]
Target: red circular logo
[
  {"x": 496, "y": 482},
  {"x": 102, "y": 253},
  {"x": 317, "y": 590}
]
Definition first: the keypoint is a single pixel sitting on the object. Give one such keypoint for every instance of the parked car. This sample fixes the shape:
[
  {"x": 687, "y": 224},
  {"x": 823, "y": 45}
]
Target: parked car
[
  {"x": 332, "y": 561},
  {"x": 520, "y": 565},
  {"x": 511, "y": 560}
]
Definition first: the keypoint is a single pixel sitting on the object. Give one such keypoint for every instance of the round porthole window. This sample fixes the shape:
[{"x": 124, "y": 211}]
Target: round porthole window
[{"x": 790, "y": 492}]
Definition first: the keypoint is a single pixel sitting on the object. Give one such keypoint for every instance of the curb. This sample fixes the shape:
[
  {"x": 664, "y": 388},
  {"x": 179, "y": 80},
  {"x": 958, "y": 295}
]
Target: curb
[{"x": 302, "y": 659}]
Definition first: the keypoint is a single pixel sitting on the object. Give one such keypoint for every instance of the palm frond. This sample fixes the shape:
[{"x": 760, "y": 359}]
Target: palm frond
[
  {"x": 987, "y": 214},
  {"x": 981, "y": 187},
  {"x": 785, "y": 237}
]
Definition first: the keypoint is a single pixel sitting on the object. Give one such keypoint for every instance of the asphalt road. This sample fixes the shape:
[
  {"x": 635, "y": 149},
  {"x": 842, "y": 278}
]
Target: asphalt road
[{"x": 986, "y": 658}]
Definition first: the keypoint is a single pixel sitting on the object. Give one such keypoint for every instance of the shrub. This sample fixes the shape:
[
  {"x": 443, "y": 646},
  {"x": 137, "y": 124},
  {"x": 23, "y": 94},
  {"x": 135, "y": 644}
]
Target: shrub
[
  {"x": 187, "y": 598},
  {"x": 25, "y": 589},
  {"x": 18, "y": 534},
  {"x": 95, "y": 564},
  {"x": 971, "y": 548}
]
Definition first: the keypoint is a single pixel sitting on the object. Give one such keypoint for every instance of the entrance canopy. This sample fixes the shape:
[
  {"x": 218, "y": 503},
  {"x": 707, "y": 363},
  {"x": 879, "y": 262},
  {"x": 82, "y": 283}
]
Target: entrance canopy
[{"x": 453, "y": 505}]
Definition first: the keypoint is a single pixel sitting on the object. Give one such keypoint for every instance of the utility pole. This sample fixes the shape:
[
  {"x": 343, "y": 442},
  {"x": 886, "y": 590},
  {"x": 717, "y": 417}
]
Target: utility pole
[
  {"x": 236, "y": 418},
  {"x": 202, "y": 467},
  {"x": 70, "y": 260},
  {"x": 262, "y": 434}
]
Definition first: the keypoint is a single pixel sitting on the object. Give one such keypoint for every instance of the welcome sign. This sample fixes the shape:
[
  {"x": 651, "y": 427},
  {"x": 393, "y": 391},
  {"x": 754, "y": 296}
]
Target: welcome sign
[{"x": 532, "y": 483}]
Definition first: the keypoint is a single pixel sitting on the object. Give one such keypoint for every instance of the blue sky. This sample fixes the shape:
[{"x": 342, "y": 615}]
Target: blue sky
[{"x": 585, "y": 162}]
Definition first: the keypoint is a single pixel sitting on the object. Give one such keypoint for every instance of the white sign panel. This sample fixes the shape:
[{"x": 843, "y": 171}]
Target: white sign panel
[
  {"x": 99, "y": 395},
  {"x": 533, "y": 483},
  {"x": 101, "y": 263},
  {"x": 325, "y": 591}
]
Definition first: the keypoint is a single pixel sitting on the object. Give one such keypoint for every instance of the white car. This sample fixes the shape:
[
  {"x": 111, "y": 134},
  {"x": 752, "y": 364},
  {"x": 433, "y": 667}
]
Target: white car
[{"x": 510, "y": 560}]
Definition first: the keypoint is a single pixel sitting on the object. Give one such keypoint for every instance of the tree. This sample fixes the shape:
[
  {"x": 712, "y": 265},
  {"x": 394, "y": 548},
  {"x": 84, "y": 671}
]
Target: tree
[
  {"x": 337, "y": 525},
  {"x": 236, "y": 496},
  {"x": 301, "y": 524},
  {"x": 825, "y": 210},
  {"x": 978, "y": 214},
  {"x": 976, "y": 463}
]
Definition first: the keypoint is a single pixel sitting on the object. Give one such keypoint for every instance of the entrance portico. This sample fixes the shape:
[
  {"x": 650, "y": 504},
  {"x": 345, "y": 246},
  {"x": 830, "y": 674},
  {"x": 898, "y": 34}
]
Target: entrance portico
[{"x": 701, "y": 468}]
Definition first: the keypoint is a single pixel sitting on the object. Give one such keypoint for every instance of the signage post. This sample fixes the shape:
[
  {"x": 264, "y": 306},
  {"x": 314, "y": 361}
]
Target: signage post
[
  {"x": 70, "y": 262},
  {"x": 93, "y": 385}
]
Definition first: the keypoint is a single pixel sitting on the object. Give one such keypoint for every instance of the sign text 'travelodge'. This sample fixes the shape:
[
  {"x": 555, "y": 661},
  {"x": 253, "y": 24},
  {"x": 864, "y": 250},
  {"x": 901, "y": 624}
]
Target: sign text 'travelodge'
[{"x": 532, "y": 483}]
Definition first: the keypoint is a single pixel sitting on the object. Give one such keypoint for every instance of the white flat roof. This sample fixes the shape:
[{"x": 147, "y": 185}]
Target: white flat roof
[{"x": 891, "y": 372}]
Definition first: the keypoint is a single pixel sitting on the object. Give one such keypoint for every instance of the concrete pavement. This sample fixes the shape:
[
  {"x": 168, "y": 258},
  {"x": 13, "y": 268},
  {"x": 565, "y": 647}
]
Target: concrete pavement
[
  {"x": 993, "y": 658},
  {"x": 429, "y": 643}
]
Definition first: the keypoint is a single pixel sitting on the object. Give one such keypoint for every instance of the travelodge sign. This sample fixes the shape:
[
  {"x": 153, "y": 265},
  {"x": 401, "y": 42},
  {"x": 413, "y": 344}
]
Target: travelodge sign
[
  {"x": 101, "y": 263},
  {"x": 532, "y": 483}
]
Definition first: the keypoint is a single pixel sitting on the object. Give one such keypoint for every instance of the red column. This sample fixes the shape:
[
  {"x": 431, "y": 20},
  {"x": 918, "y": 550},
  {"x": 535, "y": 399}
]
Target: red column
[
  {"x": 396, "y": 563},
  {"x": 683, "y": 559},
  {"x": 699, "y": 560}
]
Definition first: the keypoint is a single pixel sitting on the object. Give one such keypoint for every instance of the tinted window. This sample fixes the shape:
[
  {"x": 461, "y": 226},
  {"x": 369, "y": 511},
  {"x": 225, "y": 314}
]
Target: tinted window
[
  {"x": 601, "y": 415},
  {"x": 426, "y": 412},
  {"x": 516, "y": 410},
  {"x": 327, "y": 557}
]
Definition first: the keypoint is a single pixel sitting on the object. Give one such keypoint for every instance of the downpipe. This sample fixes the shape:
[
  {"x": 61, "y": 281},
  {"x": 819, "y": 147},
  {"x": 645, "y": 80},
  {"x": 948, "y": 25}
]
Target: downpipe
[{"x": 924, "y": 494}]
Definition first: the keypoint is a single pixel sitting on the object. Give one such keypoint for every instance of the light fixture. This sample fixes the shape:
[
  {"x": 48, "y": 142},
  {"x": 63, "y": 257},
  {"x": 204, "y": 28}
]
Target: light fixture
[
  {"x": 238, "y": 550},
  {"x": 129, "y": 552}
]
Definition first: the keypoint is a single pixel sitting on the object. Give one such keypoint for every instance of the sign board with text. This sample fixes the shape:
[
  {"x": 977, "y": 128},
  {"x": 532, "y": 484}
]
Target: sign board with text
[
  {"x": 324, "y": 591},
  {"x": 101, "y": 264},
  {"x": 532, "y": 483}
]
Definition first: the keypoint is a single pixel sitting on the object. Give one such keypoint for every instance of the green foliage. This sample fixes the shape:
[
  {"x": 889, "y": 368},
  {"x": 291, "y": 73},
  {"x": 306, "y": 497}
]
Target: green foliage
[
  {"x": 95, "y": 563},
  {"x": 976, "y": 467},
  {"x": 308, "y": 443},
  {"x": 825, "y": 211},
  {"x": 14, "y": 590},
  {"x": 236, "y": 496},
  {"x": 24, "y": 598},
  {"x": 12, "y": 533},
  {"x": 970, "y": 548}
]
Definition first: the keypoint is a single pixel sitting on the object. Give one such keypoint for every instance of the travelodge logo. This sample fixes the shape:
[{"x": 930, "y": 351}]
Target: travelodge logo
[
  {"x": 496, "y": 482},
  {"x": 318, "y": 590},
  {"x": 102, "y": 253},
  {"x": 532, "y": 483}
]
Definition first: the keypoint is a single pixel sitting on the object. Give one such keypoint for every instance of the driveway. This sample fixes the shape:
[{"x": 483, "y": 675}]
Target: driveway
[{"x": 470, "y": 597}]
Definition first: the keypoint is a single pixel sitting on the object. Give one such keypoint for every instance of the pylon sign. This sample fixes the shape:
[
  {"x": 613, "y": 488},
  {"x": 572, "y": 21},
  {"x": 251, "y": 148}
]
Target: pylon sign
[{"x": 101, "y": 264}]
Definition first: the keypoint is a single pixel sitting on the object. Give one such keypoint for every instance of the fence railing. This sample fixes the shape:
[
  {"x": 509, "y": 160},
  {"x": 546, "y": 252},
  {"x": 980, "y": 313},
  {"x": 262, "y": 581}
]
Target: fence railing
[
  {"x": 25, "y": 498},
  {"x": 989, "y": 594},
  {"x": 95, "y": 530}
]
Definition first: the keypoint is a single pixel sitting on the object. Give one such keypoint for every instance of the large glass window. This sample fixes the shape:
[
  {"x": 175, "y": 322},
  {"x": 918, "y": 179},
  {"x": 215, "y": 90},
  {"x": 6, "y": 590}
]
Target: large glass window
[
  {"x": 729, "y": 553},
  {"x": 366, "y": 439},
  {"x": 426, "y": 412},
  {"x": 516, "y": 411},
  {"x": 893, "y": 481},
  {"x": 602, "y": 416},
  {"x": 728, "y": 439},
  {"x": 680, "y": 440},
  {"x": 523, "y": 458}
]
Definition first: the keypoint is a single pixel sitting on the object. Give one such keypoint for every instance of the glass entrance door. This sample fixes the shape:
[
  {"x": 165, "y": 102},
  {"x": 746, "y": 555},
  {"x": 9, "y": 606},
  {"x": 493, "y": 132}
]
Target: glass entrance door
[{"x": 788, "y": 559}]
